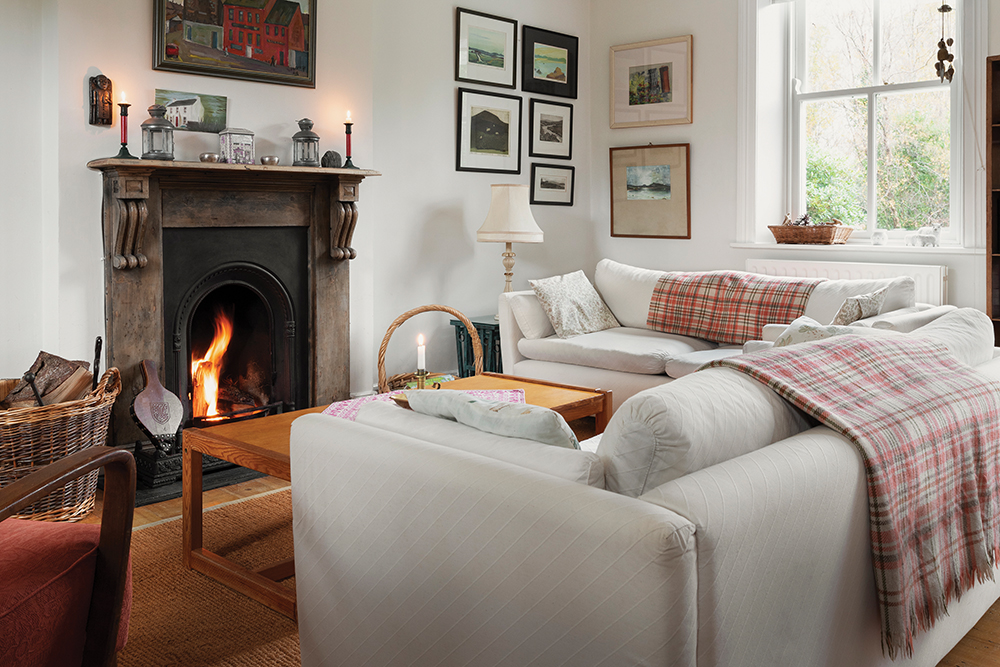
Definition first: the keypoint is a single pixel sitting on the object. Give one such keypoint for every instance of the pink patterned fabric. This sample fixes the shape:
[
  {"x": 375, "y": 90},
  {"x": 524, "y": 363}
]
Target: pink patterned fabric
[
  {"x": 928, "y": 429},
  {"x": 725, "y": 306},
  {"x": 349, "y": 409}
]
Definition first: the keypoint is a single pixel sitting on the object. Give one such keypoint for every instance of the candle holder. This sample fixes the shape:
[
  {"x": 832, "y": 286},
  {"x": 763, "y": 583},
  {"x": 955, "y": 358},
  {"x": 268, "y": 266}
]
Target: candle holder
[
  {"x": 123, "y": 154},
  {"x": 348, "y": 164},
  {"x": 421, "y": 377}
]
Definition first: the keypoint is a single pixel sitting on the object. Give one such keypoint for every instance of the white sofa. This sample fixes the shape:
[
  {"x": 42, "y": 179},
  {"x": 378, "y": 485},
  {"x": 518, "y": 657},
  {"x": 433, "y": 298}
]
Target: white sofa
[
  {"x": 424, "y": 542},
  {"x": 632, "y": 357}
]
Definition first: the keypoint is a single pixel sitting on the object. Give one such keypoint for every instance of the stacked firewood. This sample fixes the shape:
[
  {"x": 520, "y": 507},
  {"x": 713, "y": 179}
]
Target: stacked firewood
[{"x": 50, "y": 380}]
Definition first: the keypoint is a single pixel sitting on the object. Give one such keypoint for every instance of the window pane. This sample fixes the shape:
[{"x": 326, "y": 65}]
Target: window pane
[
  {"x": 910, "y": 32},
  {"x": 914, "y": 158},
  {"x": 838, "y": 44},
  {"x": 836, "y": 137}
]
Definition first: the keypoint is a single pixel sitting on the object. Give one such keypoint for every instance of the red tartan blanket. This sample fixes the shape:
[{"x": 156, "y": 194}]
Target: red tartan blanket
[
  {"x": 725, "y": 306},
  {"x": 928, "y": 429}
]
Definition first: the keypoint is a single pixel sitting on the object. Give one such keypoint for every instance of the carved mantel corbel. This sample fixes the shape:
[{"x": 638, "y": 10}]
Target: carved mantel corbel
[
  {"x": 344, "y": 218},
  {"x": 130, "y": 191}
]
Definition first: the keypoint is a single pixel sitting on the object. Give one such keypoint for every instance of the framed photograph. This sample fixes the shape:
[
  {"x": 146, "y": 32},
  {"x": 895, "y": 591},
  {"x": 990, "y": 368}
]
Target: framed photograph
[
  {"x": 552, "y": 184},
  {"x": 651, "y": 191},
  {"x": 651, "y": 83},
  {"x": 485, "y": 49},
  {"x": 551, "y": 132},
  {"x": 270, "y": 42},
  {"x": 193, "y": 112},
  {"x": 549, "y": 62},
  {"x": 489, "y": 132}
]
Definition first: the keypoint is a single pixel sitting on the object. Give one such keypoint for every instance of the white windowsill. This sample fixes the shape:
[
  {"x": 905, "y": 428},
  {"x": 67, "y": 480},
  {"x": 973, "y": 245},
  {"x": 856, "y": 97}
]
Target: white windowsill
[{"x": 862, "y": 247}]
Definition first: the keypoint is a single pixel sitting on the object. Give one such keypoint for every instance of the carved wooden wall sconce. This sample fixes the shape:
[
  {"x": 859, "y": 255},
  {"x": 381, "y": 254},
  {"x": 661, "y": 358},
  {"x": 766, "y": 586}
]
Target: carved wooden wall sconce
[{"x": 101, "y": 105}]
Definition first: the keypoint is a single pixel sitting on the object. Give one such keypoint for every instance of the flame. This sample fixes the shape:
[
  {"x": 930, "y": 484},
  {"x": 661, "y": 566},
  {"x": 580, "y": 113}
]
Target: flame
[{"x": 205, "y": 371}]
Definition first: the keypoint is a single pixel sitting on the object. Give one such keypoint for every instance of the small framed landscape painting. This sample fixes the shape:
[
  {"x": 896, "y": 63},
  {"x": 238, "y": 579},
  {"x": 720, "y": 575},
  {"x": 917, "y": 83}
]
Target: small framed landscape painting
[
  {"x": 270, "y": 42},
  {"x": 485, "y": 49},
  {"x": 193, "y": 111},
  {"x": 489, "y": 132},
  {"x": 551, "y": 132},
  {"x": 552, "y": 184},
  {"x": 651, "y": 83},
  {"x": 651, "y": 191},
  {"x": 549, "y": 62}
]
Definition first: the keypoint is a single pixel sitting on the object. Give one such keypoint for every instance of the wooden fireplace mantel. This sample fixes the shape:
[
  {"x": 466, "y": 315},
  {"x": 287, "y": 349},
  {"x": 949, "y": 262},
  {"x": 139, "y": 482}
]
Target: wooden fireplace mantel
[{"x": 143, "y": 197}]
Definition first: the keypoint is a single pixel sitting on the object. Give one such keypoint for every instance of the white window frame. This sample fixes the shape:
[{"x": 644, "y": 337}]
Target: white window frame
[{"x": 968, "y": 194}]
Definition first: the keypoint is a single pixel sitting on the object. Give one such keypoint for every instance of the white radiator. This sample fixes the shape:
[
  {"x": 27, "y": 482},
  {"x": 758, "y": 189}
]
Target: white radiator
[{"x": 931, "y": 280}]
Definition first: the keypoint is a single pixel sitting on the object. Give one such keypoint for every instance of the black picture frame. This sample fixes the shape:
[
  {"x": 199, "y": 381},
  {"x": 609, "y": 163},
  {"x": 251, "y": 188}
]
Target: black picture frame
[
  {"x": 541, "y": 135},
  {"x": 544, "y": 196},
  {"x": 196, "y": 40},
  {"x": 466, "y": 22},
  {"x": 543, "y": 81},
  {"x": 488, "y": 155}
]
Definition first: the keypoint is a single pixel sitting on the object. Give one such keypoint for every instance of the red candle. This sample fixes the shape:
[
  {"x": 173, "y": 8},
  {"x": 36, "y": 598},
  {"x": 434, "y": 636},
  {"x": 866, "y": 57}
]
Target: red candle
[
  {"x": 124, "y": 107},
  {"x": 347, "y": 124}
]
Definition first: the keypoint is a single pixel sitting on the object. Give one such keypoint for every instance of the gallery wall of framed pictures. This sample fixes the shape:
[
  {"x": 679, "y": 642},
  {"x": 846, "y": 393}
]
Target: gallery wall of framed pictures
[{"x": 489, "y": 123}]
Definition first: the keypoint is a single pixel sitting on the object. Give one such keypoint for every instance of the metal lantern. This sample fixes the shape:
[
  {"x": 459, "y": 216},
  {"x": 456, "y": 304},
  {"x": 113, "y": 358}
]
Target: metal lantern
[
  {"x": 157, "y": 135},
  {"x": 305, "y": 145}
]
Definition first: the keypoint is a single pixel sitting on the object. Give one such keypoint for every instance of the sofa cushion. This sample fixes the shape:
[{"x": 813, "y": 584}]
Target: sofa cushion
[
  {"x": 627, "y": 290},
  {"x": 531, "y": 317},
  {"x": 906, "y": 320},
  {"x": 859, "y": 307},
  {"x": 806, "y": 330},
  {"x": 966, "y": 332},
  {"x": 699, "y": 420},
  {"x": 620, "y": 349},
  {"x": 572, "y": 464},
  {"x": 827, "y": 298},
  {"x": 573, "y": 305},
  {"x": 685, "y": 364},
  {"x": 516, "y": 420}
]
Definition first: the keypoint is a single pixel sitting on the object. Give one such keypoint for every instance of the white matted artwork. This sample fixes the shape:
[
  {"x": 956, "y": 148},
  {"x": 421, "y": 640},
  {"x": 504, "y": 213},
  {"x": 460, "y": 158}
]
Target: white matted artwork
[
  {"x": 551, "y": 132},
  {"x": 651, "y": 191},
  {"x": 651, "y": 83},
  {"x": 485, "y": 48},
  {"x": 552, "y": 184},
  {"x": 489, "y": 132}
]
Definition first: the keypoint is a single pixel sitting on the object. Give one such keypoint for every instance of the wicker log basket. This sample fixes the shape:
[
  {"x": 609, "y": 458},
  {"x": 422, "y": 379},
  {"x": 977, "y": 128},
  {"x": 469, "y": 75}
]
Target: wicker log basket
[
  {"x": 399, "y": 381},
  {"x": 811, "y": 234},
  {"x": 31, "y": 438}
]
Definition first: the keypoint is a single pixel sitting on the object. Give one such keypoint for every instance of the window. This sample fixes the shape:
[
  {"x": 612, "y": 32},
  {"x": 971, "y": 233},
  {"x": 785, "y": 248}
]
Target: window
[
  {"x": 241, "y": 15},
  {"x": 241, "y": 36},
  {"x": 282, "y": 31},
  {"x": 872, "y": 142},
  {"x": 230, "y": 13},
  {"x": 258, "y": 39},
  {"x": 267, "y": 30}
]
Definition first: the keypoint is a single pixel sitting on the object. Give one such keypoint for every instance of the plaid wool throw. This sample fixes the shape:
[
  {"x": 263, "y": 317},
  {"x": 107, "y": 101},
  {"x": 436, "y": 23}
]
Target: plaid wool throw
[
  {"x": 928, "y": 429},
  {"x": 725, "y": 306}
]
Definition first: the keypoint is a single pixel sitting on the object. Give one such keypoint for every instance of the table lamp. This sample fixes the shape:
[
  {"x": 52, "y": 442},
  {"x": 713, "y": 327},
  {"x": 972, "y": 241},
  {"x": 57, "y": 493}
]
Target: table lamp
[{"x": 509, "y": 221}]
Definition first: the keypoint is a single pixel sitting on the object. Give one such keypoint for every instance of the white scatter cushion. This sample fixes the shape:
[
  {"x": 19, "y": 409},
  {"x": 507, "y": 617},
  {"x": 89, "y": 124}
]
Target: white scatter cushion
[
  {"x": 967, "y": 333},
  {"x": 702, "y": 419},
  {"x": 827, "y": 297},
  {"x": 584, "y": 467},
  {"x": 685, "y": 364},
  {"x": 771, "y": 332},
  {"x": 861, "y": 306},
  {"x": 806, "y": 330},
  {"x": 573, "y": 305},
  {"x": 627, "y": 290},
  {"x": 530, "y": 315},
  {"x": 516, "y": 420},
  {"x": 752, "y": 346},
  {"x": 619, "y": 349},
  {"x": 905, "y": 321}
]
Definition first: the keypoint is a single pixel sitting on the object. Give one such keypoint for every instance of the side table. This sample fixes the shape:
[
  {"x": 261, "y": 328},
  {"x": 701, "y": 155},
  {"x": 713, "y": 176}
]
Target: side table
[{"x": 489, "y": 335}]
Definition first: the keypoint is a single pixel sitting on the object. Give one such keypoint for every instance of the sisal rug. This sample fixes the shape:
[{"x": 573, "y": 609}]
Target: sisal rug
[{"x": 181, "y": 617}]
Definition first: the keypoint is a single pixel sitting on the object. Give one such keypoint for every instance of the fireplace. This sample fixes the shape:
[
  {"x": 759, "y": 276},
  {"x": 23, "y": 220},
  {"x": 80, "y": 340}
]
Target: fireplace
[{"x": 196, "y": 249}]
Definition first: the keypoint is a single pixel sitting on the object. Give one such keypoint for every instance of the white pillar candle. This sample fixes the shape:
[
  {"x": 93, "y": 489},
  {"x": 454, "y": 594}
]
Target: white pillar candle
[{"x": 421, "y": 349}]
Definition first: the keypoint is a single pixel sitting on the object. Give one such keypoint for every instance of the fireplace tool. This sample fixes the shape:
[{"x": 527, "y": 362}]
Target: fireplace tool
[{"x": 157, "y": 412}]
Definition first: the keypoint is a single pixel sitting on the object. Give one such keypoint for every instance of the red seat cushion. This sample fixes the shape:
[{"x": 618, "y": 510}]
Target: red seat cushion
[{"x": 46, "y": 579}]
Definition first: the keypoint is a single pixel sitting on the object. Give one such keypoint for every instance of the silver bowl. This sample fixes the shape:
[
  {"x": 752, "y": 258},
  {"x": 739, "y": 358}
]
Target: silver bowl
[
  {"x": 269, "y": 159},
  {"x": 209, "y": 157}
]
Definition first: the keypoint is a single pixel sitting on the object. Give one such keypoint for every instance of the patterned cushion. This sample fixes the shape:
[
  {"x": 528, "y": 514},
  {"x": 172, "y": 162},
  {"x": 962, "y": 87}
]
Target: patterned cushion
[
  {"x": 859, "y": 307},
  {"x": 573, "y": 305}
]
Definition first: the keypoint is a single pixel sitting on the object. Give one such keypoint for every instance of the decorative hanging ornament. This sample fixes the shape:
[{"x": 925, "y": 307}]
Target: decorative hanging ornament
[{"x": 944, "y": 67}]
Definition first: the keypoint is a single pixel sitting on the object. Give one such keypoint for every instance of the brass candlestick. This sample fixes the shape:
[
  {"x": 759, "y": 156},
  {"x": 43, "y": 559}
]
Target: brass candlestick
[{"x": 421, "y": 377}]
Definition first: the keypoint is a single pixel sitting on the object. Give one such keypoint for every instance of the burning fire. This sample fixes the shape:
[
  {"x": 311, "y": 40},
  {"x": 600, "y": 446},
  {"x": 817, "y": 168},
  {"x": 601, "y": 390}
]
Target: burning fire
[{"x": 205, "y": 371}]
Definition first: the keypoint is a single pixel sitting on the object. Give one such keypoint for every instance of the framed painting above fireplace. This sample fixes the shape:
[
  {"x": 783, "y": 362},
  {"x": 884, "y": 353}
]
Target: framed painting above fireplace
[{"x": 254, "y": 40}]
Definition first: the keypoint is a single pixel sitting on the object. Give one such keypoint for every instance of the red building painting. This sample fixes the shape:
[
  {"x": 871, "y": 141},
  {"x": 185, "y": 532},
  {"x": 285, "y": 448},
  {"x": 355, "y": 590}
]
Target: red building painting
[{"x": 271, "y": 31}]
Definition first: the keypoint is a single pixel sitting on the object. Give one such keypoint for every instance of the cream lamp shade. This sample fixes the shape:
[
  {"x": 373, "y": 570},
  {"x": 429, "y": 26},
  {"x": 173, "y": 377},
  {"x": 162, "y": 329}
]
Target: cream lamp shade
[{"x": 509, "y": 221}]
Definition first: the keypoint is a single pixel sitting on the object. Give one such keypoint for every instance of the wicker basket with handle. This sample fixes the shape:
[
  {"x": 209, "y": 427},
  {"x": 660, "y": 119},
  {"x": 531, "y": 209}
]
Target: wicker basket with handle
[
  {"x": 811, "y": 234},
  {"x": 399, "y": 381},
  {"x": 31, "y": 438}
]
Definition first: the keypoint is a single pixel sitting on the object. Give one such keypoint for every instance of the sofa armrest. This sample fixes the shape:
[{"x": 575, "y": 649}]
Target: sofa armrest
[
  {"x": 408, "y": 553},
  {"x": 510, "y": 332},
  {"x": 906, "y": 321}
]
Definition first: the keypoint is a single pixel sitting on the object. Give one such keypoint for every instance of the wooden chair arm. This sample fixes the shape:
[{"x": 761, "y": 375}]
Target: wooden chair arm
[{"x": 116, "y": 534}]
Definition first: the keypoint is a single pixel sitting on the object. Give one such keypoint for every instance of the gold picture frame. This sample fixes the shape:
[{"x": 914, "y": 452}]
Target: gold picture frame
[
  {"x": 651, "y": 191},
  {"x": 651, "y": 83}
]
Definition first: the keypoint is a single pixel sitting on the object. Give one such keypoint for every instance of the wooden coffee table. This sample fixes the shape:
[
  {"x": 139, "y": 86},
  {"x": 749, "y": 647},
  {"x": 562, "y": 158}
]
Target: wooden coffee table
[{"x": 263, "y": 445}]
